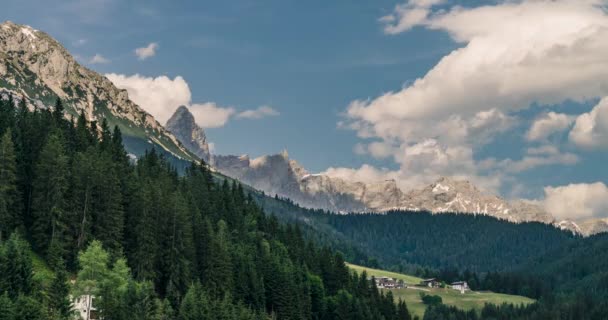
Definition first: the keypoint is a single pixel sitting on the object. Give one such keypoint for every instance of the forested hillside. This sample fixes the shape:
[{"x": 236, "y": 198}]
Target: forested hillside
[
  {"x": 476, "y": 243},
  {"x": 147, "y": 242},
  {"x": 78, "y": 217}
]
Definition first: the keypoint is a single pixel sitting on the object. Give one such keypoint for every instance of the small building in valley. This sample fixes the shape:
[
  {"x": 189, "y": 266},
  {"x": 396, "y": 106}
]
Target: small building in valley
[
  {"x": 462, "y": 286},
  {"x": 431, "y": 283},
  {"x": 389, "y": 283}
]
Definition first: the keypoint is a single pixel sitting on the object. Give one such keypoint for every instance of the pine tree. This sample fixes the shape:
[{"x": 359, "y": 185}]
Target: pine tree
[
  {"x": 50, "y": 186},
  {"x": 9, "y": 195},
  {"x": 58, "y": 300},
  {"x": 16, "y": 268},
  {"x": 402, "y": 311},
  {"x": 107, "y": 204},
  {"x": 177, "y": 249},
  {"x": 218, "y": 264},
  {"x": 58, "y": 113},
  {"x": 83, "y": 180}
]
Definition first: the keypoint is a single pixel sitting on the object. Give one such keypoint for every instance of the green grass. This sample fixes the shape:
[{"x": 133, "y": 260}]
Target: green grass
[
  {"x": 469, "y": 300},
  {"x": 382, "y": 273}
]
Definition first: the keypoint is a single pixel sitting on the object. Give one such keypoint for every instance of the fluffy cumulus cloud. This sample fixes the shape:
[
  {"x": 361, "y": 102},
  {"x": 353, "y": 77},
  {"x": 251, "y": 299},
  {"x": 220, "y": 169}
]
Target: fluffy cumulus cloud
[
  {"x": 160, "y": 96},
  {"x": 210, "y": 115},
  {"x": 591, "y": 129},
  {"x": 549, "y": 124},
  {"x": 146, "y": 52},
  {"x": 259, "y": 113},
  {"x": 577, "y": 201},
  {"x": 516, "y": 55}
]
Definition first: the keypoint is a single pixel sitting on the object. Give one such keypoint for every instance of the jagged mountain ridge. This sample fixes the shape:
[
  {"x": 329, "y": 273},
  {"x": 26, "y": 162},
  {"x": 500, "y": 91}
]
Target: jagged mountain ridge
[
  {"x": 277, "y": 174},
  {"x": 185, "y": 129},
  {"x": 36, "y": 66}
]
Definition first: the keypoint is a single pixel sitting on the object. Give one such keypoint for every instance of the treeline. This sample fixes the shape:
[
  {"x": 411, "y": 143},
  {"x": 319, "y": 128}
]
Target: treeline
[{"x": 149, "y": 243}]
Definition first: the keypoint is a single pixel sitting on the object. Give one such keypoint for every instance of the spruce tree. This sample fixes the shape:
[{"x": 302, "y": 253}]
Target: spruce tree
[
  {"x": 50, "y": 186},
  {"x": 16, "y": 268},
  {"x": 402, "y": 311},
  {"x": 58, "y": 295},
  {"x": 9, "y": 194}
]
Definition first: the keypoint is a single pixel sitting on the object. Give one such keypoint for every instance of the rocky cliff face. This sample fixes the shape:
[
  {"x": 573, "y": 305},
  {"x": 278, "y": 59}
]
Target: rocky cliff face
[
  {"x": 185, "y": 129},
  {"x": 37, "y": 67}
]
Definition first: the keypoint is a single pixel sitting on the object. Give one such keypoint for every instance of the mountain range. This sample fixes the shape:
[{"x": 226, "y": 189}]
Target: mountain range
[
  {"x": 37, "y": 68},
  {"x": 279, "y": 175}
]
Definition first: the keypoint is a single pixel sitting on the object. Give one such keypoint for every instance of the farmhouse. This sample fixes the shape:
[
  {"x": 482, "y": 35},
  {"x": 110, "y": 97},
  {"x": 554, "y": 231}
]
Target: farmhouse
[
  {"x": 460, "y": 285},
  {"x": 431, "y": 283},
  {"x": 389, "y": 283}
]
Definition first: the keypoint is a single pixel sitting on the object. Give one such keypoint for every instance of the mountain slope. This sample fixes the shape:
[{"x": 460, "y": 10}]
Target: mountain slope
[{"x": 37, "y": 67}]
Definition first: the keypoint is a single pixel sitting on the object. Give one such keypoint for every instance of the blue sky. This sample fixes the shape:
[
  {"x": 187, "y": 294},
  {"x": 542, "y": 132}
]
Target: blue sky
[
  {"x": 341, "y": 80},
  {"x": 306, "y": 59}
]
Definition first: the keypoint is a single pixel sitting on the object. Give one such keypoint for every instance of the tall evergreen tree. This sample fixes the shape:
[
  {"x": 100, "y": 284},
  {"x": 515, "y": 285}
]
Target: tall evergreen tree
[
  {"x": 50, "y": 186},
  {"x": 16, "y": 267},
  {"x": 9, "y": 194},
  {"x": 58, "y": 300}
]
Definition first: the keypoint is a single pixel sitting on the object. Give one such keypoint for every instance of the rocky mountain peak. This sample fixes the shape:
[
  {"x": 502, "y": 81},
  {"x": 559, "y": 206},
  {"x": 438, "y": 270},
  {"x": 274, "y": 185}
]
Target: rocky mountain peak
[
  {"x": 183, "y": 125},
  {"x": 37, "y": 67}
]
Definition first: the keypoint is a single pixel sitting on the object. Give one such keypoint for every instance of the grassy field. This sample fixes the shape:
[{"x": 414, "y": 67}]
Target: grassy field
[
  {"x": 469, "y": 300},
  {"x": 377, "y": 272}
]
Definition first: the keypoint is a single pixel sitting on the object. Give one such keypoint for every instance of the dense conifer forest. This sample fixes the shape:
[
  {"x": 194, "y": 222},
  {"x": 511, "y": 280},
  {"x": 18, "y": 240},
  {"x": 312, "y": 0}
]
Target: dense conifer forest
[
  {"x": 478, "y": 243},
  {"x": 149, "y": 243},
  {"x": 79, "y": 217}
]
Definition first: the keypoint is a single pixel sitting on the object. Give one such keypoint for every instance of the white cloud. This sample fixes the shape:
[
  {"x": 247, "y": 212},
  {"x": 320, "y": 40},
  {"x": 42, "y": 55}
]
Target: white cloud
[
  {"x": 147, "y": 51},
  {"x": 98, "y": 59},
  {"x": 543, "y": 150},
  {"x": 591, "y": 129},
  {"x": 406, "y": 16},
  {"x": 535, "y": 160},
  {"x": 516, "y": 55},
  {"x": 377, "y": 149},
  {"x": 365, "y": 173},
  {"x": 577, "y": 201},
  {"x": 547, "y": 125},
  {"x": 159, "y": 96},
  {"x": 210, "y": 115},
  {"x": 259, "y": 113}
]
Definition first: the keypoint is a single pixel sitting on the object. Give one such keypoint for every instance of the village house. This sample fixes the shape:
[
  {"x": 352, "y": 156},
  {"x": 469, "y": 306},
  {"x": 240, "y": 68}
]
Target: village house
[
  {"x": 462, "y": 286},
  {"x": 431, "y": 283},
  {"x": 389, "y": 283}
]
